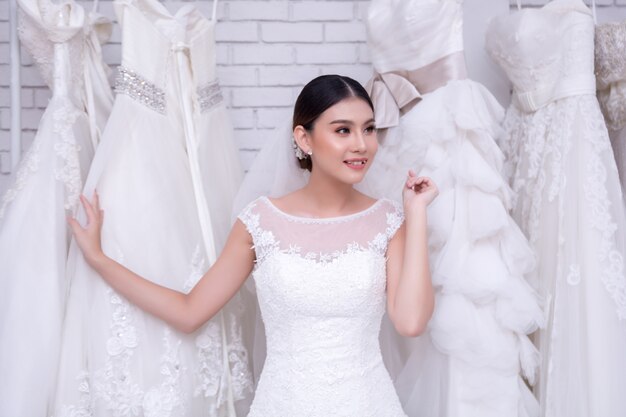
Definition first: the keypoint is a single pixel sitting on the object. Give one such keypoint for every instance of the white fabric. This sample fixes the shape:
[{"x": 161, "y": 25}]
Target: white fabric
[
  {"x": 166, "y": 170},
  {"x": 569, "y": 204},
  {"x": 470, "y": 360},
  {"x": 610, "y": 63},
  {"x": 33, "y": 233},
  {"x": 321, "y": 289},
  {"x": 402, "y": 37}
]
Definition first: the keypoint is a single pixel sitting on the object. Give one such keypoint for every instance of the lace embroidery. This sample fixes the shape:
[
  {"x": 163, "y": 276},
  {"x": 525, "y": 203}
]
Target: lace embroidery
[
  {"x": 265, "y": 242},
  {"x": 208, "y": 343},
  {"x": 241, "y": 377},
  {"x": 113, "y": 384},
  {"x": 83, "y": 409},
  {"x": 167, "y": 399},
  {"x": 610, "y": 44},
  {"x": 67, "y": 149},
  {"x": 573, "y": 278},
  {"x": 541, "y": 172},
  {"x": 138, "y": 88},
  {"x": 209, "y": 96},
  {"x": 315, "y": 305},
  {"x": 28, "y": 166},
  {"x": 209, "y": 354}
]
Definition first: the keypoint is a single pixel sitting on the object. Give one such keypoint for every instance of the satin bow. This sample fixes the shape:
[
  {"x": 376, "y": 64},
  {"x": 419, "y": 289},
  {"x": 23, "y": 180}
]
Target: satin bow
[{"x": 390, "y": 94}]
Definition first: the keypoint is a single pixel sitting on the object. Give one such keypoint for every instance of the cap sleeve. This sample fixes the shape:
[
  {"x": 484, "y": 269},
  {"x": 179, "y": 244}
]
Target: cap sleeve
[
  {"x": 263, "y": 240},
  {"x": 395, "y": 218}
]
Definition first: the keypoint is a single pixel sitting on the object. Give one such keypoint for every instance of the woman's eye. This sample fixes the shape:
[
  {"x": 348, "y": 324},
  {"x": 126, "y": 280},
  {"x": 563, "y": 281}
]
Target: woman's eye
[
  {"x": 370, "y": 129},
  {"x": 343, "y": 130}
]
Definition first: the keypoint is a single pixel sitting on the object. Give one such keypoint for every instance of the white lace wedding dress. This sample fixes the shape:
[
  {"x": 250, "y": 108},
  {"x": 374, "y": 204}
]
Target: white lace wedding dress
[
  {"x": 320, "y": 284},
  {"x": 441, "y": 124},
  {"x": 166, "y": 171},
  {"x": 64, "y": 41},
  {"x": 569, "y": 204},
  {"x": 610, "y": 68}
]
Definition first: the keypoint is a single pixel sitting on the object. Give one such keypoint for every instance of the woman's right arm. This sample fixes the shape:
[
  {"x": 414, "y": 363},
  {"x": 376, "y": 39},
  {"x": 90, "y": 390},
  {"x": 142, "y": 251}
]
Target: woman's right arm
[{"x": 185, "y": 312}]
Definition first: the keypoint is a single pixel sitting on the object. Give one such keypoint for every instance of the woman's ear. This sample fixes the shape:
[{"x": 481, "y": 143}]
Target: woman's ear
[{"x": 302, "y": 138}]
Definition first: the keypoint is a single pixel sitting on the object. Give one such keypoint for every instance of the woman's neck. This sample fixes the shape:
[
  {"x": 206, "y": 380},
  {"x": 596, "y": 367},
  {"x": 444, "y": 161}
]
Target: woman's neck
[{"x": 330, "y": 197}]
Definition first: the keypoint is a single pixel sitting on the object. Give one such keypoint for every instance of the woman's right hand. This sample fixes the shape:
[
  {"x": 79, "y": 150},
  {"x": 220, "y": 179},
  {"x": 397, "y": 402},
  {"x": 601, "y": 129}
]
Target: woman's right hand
[{"x": 88, "y": 237}]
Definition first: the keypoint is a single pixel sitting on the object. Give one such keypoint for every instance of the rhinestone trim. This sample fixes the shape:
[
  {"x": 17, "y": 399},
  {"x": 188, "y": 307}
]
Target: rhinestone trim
[
  {"x": 209, "y": 96},
  {"x": 138, "y": 88}
]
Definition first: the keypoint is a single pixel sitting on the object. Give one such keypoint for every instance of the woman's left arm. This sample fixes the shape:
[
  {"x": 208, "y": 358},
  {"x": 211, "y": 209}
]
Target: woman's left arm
[{"x": 410, "y": 296}]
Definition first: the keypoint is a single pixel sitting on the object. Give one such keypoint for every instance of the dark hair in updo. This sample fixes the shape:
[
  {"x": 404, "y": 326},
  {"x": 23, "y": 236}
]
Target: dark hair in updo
[{"x": 320, "y": 94}]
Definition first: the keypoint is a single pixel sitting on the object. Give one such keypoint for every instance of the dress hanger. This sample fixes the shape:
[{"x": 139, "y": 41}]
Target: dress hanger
[
  {"x": 519, "y": 4},
  {"x": 95, "y": 5}
]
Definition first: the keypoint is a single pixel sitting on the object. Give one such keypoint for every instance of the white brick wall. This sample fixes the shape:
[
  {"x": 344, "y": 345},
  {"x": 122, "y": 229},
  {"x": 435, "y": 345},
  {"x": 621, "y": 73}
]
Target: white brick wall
[{"x": 267, "y": 50}]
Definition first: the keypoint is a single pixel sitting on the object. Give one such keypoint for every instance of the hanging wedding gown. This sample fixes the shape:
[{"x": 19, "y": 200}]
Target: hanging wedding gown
[
  {"x": 320, "y": 283},
  {"x": 569, "y": 204},
  {"x": 439, "y": 123},
  {"x": 166, "y": 171},
  {"x": 64, "y": 41},
  {"x": 610, "y": 68},
  {"x": 443, "y": 125}
]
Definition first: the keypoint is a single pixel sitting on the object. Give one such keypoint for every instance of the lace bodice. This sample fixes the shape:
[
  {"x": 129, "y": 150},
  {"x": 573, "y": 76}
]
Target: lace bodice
[
  {"x": 410, "y": 34},
  {"x": 321, "y": 289},
  {"x": 547, "y": 53},
  {"x": 611, "y": 72}
]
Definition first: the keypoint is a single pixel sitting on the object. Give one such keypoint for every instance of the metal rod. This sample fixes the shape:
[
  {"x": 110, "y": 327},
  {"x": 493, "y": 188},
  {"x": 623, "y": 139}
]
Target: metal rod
[{"x": 16, "y": 88}]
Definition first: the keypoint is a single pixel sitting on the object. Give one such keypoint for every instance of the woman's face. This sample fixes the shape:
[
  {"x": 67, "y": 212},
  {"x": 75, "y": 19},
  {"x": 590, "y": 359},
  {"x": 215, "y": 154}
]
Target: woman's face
[{"x": 343, "y": 140}]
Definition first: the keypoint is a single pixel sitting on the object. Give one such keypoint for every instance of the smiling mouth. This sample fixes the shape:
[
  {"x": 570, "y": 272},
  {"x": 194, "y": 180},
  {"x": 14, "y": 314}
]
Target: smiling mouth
[{"x": 355, "y": 163}]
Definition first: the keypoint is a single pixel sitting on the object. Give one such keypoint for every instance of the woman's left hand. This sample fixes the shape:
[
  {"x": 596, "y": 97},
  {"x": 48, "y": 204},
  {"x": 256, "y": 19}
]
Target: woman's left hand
[{"x": 418, "y": 191}]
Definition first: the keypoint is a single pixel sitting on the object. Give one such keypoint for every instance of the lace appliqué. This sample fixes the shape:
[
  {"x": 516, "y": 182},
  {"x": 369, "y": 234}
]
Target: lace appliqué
[
  {"x": 67, "y": 149},
  {"x": 28, "y": 166},
  {"x": 610, "y": 64},
  {"x": 64, "y": 115},
  {"x": 138, "y": 88},
  {"x": 265, "y": 242},
  {"x": 113, "y": 384},
  {"x": 84, "y": 407},
  {"x": 209, "y": 96},
  {"x": 167, "y": 399},
  {"x": 543, "y": 143},
  {"x": 209, "y": 371}
]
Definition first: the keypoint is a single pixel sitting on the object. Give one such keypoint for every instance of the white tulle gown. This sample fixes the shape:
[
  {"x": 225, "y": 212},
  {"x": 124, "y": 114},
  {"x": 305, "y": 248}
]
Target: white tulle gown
[
  {"x": 569, "y": 204},
  {"x": 64, "y": 41},
  {"x": 437, "y": 122},
  {"x": 166, "y": 172}
]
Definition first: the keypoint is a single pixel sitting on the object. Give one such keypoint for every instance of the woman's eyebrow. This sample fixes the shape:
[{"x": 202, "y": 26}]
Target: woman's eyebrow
[{"x": 350, "y": 122}]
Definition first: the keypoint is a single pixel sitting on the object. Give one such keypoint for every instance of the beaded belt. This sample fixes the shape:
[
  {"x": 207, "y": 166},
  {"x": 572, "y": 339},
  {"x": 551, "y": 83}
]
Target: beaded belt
[{"x": 135, "y": 86}]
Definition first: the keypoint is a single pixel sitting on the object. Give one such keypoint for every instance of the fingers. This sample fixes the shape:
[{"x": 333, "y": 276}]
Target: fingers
[
  {"x": 91, "y": 214},
  {"x": 74, "y": 225},
  {"x": 417, "y": 182},
  {"x": 93, "y": 210},
  {"x": 96, "y": 201}
]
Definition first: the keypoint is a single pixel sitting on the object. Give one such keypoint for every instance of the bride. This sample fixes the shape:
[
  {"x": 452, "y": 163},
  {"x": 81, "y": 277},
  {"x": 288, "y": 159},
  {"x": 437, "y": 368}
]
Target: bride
[{"x": 327, "y": 262}]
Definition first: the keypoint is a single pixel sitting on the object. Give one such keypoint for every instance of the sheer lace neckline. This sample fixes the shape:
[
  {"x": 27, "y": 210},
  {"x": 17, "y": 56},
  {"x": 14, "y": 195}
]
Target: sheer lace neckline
[{"x": 304, "y": 219}]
